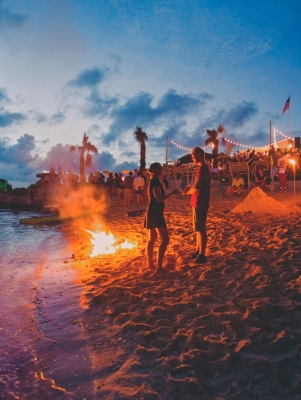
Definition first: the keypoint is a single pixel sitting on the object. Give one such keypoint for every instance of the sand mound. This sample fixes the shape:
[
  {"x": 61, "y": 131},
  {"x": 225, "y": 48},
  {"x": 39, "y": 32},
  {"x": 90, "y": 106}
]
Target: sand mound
[{"x": 259, "y": 202}]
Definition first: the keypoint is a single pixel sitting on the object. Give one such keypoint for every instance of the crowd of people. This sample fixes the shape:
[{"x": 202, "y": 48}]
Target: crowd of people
[{"x": 127, "y": 186}]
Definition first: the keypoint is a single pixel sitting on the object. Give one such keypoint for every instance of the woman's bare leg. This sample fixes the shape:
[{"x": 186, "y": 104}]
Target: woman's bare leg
[
  {"x": 150, "y": 247},
  {"x": 163, "y": 245}
]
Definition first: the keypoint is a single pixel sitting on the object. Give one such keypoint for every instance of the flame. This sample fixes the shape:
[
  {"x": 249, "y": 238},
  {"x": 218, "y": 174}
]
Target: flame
[
  {"x": 292, "y": 161},
  {"x": 106, "y": 243}
]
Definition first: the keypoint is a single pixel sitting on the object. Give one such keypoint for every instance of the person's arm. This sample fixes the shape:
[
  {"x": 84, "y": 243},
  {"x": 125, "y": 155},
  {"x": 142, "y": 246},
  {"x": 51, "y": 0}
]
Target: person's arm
[
  {"x": 203, "y": 176},
  {"x": 158, "y": 195},
  {"x": 193, "y": 189}
]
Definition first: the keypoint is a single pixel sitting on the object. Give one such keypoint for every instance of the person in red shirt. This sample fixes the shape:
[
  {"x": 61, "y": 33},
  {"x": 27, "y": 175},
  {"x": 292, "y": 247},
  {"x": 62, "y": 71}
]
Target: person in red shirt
[{"x": 200, "y": 196}]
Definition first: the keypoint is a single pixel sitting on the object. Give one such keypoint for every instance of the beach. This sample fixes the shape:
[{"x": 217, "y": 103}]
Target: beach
[{"x": 227, "y": 329}]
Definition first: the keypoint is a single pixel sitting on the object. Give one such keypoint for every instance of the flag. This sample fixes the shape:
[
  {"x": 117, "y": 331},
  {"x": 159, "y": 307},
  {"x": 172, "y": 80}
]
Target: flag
[{"x": 286, "y": 105}]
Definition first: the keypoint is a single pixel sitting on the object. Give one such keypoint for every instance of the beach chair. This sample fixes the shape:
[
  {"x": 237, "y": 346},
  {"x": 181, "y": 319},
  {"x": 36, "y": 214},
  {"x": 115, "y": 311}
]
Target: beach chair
[{"x": 244, "y": 170}]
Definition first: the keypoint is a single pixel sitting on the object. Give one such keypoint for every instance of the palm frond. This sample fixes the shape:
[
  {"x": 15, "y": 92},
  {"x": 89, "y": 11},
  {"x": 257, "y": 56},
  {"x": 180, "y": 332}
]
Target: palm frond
[
  {"x": 212, "y": 133},
  {"x": 209, "y": 141},
  {"x": 221, "y": 129},
  {"x": 91, "y": 148},
  {"x": 140, "y": 135}
]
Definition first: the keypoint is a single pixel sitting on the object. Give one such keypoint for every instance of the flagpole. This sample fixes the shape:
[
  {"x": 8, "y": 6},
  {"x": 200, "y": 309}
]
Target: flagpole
[
  {"x": 271, "y": 159},
  {"x": 289, "y": 118}
]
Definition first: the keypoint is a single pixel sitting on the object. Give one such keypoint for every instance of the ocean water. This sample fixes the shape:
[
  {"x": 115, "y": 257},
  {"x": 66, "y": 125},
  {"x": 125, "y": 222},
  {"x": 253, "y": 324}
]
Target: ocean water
[{"x": 25, "y": 353}]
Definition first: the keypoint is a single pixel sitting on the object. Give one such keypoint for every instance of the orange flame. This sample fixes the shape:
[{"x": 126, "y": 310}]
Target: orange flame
[{"x": 106, "y": 243}]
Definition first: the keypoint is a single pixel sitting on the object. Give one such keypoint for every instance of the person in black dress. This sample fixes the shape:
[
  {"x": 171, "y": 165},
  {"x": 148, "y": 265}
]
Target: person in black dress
[{"x": 154, "y": 217}]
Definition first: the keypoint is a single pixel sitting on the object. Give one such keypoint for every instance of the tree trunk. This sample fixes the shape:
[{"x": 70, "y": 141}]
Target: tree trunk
[
  {"x": 215, "y": 159},
  {"x": 142, "y": 157},
  {"x": 82, "y": 168}
]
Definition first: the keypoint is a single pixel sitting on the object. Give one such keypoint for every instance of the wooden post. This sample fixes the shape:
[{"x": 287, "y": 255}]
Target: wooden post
[{"x": 166, "y": 151}]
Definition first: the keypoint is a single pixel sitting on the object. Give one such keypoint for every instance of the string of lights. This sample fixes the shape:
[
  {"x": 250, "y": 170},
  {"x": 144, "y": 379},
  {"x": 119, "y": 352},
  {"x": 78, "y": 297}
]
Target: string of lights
[
  {"x": 282, "y": 134},
  {"x": 186, "y": 148},
  {"x": 228, "y": 140},
  {"x": 276, "y": 131}
]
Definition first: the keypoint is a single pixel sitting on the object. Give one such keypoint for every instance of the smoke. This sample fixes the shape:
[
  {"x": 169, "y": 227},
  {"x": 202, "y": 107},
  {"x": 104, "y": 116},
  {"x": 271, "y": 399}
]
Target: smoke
[{"x": 86, "y": 207}]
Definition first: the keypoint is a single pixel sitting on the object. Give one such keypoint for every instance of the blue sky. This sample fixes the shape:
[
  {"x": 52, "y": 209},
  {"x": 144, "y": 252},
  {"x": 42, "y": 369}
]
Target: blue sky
[{"x": 175, "y": 68}]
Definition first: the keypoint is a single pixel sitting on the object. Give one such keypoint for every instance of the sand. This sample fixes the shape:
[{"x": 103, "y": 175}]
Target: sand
[{"x": 227, "y": 329}]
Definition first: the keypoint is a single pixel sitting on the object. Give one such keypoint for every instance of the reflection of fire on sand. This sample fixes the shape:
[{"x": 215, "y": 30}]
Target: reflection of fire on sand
[{"x": 230, "y": 327}]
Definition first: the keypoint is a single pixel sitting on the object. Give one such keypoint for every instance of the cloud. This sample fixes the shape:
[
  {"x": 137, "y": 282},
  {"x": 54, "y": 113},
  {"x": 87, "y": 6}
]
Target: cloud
[
  {"x": 89, "y": 78},
  {"x": 138, "y": 111},
  {"x": 126, "y": 166},
  {"x": 239, "y": 115},
  {"x": 19, "y": 153},
  {"x": 19, "y": 162},
  {"x": 98, "y": 106},
  {"x": 103, "y": 161},
  {"x": 260, "y": 137},
  {"x": 57, "y": 118},
  {"x": 173, "y": 103},
  {"x": 9, "y": 18},
  {"x": 244, "y": 47},
  {"x": 3, "y": 96},
  {"x": 8, "y": 118},
  {"x": 60, "y": 156},
  {"x": 41, "y": 118}
]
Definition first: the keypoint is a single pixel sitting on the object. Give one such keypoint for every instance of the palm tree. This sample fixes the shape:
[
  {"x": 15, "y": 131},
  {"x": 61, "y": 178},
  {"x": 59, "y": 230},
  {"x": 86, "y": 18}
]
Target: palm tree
[
  {"x": 228, "y": 146},
  {"x": 141, "y": 137},
  {"x": 88, "y": 148},
  {"x": 213, "y": 140}
]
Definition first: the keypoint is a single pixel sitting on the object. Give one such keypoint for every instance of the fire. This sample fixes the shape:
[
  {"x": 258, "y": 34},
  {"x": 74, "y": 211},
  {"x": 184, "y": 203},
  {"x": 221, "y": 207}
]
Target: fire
[{"x": 107, "y": 243}]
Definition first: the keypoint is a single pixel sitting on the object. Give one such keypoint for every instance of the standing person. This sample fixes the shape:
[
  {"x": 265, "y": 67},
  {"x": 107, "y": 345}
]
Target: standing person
[
  {"x": 139, "y": 187},
  {"x": 273, "y": 156},
  {"x": 119, "y": 185},
  {"x": 200, "y": 195},
  {"x": 128, "y": 188},
  {"x": 110, "y": 183},
  {"x": 282, "y": 169},
  {"x": 154, "y": 216},
  {"x": 135, "y": 174}
]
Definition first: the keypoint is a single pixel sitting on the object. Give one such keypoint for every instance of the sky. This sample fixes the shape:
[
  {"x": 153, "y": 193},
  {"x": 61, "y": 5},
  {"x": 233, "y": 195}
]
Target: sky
[{"x": 173, "y": 67}]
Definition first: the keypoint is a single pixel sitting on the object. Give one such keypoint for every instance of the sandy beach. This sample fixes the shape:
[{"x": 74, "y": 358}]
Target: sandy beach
[
  {"x": 107, "y": 327},
  {"x": 227, "y": 329}
]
